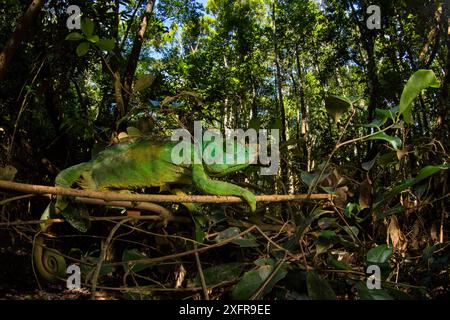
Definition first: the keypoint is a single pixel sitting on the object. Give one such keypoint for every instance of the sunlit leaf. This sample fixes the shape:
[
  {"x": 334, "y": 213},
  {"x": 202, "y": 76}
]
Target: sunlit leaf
[
  {"x": 379, "y": 254},
  {"x": 419, "y": 81},
  {"x": 93, "y": 39},
  {"x": 74, "y": 36},
  {"x": 396, "y": 142}
]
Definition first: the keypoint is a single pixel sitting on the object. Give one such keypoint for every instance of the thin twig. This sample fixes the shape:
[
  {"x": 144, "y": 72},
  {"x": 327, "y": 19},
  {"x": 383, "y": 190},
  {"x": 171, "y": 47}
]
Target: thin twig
[{"x": 103, "y": 255}]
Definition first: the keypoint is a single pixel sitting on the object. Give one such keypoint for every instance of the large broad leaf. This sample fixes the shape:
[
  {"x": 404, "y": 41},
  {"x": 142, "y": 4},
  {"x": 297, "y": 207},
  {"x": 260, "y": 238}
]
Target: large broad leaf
[
  {"x": 394, "y": 141},
  {"x": 371, "y": 294},
  {"x": 429, "y": 171},
  {"x": 221, "y": 273},
  {"x": 318, "y": 288},
  {"x": 87, "y": 27},
  {"x": 379, "y": 254},
  {"x": 337, "y": 106},
  {"x": 419, "y": 81}
]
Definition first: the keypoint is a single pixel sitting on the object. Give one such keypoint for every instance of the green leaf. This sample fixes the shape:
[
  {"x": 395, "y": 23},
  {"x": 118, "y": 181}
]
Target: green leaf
[
  {"x": 226, "y": 234},
  {"x": 419, "y": 81},
  {"x": 379, "y": 254},
  {"x": 371, "y": 294},
  {"x": 318, "y": 288},
  {"x": 221, "y": 273},
  {"x": 93, "y": 39},
  {"x": 106, "y": 44},
  {"x": 337, "y": 106},
  {"x": 74, "y": 36},
  {"x": 87, "y": 27},
  {"x": 376, "y": 123},
  {"x": 394, "y": 141},
  {"x": 133, "y": 254},
  {"x": 255, "y": 123},
  {"x": 245, "y": 243},
  {"x": 339, "y": 264},
  {"x": 252, "y": 281},
  {"x": 423, "y": 174},
  {"x": 429, "y": 171},
  {"x": 82, "y": 49},
  {"x": 134, "y": 132}
]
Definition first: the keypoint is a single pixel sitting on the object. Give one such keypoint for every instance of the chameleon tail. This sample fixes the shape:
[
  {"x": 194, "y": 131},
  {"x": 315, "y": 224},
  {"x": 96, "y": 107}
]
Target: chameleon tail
[{"x": 50, "y": 263}]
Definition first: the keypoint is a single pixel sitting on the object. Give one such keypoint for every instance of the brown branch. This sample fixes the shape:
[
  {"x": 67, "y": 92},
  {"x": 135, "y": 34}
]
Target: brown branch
[
  {"x": 11, "y": 46},
  {"x": 115, "y": 196},
  {"x": 107, "y": 218}
]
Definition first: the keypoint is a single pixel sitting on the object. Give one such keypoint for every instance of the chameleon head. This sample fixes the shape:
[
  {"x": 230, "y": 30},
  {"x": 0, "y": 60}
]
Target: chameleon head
[{"x": 235, "y": 156}]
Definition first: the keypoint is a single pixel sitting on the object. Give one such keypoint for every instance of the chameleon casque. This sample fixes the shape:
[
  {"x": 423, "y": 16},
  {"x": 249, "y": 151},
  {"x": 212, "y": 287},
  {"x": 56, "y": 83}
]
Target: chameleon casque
[{"x": 137, "y": 164}]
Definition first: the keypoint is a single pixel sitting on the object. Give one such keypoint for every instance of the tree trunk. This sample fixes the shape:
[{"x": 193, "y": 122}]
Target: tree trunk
[
  {"x": 444, "y": 101},
  {"x": 16, "y": 38},
  {"x": 133, "y": 58},
  {"x": 284, "y": 172}
]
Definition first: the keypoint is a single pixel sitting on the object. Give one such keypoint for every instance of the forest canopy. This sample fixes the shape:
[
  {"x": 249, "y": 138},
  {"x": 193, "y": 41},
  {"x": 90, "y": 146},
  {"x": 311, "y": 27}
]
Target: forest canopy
[{"x": 359, "y": 92}]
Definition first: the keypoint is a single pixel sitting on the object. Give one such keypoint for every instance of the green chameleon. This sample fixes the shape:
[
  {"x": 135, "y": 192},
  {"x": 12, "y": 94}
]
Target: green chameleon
[{"x": 138, "y": 164}]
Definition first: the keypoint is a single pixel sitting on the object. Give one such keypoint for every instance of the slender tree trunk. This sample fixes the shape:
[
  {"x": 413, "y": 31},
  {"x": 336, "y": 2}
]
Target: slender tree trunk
[
  {"x": 16, "y": 38},
  {"x": 444, "y": 101},
  {"x": 284, "y": 172},
  {"x": 303, "y": 109},
  {"x": 133, "y": 58},
  {"x": 367, "y": 38}
]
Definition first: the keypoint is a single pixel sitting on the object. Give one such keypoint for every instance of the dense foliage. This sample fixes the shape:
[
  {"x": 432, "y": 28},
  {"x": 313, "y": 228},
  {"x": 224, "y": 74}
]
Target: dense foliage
[{"x": 363, "y": 113}]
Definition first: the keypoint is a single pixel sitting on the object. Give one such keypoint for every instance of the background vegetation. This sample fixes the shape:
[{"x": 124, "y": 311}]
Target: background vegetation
[{"x": 309, "y": 68}]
